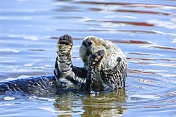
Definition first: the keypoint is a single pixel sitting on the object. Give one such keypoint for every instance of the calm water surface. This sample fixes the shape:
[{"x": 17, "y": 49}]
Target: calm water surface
[{"x": 144, "y": 29}]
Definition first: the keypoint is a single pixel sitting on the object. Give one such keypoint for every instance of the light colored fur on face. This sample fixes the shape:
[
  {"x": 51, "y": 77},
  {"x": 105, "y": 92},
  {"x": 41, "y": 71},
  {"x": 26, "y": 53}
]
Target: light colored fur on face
[{"x": 112, "y": 52}]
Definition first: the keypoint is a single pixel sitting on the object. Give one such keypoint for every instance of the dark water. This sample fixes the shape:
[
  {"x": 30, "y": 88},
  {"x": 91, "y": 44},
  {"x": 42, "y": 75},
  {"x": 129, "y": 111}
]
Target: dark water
[{"x": 144, "y": 29}]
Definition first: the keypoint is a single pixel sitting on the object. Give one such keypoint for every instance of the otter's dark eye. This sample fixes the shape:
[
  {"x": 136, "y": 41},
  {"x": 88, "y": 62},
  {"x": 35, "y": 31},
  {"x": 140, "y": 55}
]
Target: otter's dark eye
[
  {"x": 119, "y": 59},
  {"x": 87, "y": 43}
]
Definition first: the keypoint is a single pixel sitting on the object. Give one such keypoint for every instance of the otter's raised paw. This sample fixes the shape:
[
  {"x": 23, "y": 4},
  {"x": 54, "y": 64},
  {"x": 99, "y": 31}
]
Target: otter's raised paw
[
  {"x": 97, "y": 57},
  {"x": 66, "y": 39},
  {"x": 65, "y": 44}
]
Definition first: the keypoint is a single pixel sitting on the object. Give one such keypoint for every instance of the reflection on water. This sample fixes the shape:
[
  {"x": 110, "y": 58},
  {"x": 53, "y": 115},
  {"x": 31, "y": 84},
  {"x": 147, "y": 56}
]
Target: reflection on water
[
  {"x": 109, "y": 104},
  {"x": 144, "y": 30}
]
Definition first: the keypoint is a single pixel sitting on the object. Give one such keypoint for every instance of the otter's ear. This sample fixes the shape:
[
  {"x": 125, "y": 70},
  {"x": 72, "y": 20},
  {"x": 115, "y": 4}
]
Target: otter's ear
[{"x": 87, "y": 43}]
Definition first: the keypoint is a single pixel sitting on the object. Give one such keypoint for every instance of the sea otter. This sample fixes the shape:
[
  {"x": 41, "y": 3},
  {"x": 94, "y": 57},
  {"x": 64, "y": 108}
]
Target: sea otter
[
  {"x": 105, "y": 63},
  {"x": 105, "y": 69}
]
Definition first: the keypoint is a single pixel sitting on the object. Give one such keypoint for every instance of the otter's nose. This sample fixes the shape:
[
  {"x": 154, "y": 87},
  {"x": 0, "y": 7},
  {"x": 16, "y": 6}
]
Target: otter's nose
[{"x": 87, "y": 43}]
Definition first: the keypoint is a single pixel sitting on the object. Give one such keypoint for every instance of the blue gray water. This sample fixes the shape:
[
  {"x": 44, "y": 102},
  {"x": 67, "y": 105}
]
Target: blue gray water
[{"x": 145, "y": 30}]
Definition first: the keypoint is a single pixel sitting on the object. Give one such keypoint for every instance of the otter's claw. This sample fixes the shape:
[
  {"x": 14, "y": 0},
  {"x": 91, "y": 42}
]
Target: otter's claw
[{"x": 97, "y": 57}]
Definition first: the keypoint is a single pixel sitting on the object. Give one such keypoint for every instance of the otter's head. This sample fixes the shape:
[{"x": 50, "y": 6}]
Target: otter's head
[{"x": 89, "y": 46}]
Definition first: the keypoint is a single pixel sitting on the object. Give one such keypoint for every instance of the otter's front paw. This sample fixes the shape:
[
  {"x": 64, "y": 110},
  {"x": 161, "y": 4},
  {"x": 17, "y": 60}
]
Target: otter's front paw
[
  {"x": 97, "y": 57},
  {"x": 65, "y": 43},
  {"x": 66, "y": 39}
]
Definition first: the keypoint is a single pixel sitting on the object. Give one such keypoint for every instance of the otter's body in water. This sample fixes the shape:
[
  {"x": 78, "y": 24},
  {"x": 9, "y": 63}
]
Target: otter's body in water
[{"x": 105, "y": 69}]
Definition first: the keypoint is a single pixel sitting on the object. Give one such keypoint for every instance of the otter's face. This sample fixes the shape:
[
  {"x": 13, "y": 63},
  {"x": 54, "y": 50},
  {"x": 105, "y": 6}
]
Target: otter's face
[{"x": 89, "y": 46}]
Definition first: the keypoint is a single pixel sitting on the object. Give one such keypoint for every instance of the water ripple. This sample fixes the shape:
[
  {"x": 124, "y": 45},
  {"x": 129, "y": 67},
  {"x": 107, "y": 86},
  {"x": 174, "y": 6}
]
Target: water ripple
[
  {"x": 130, "y": 4},
  {"x": 132, "y": 11}
]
